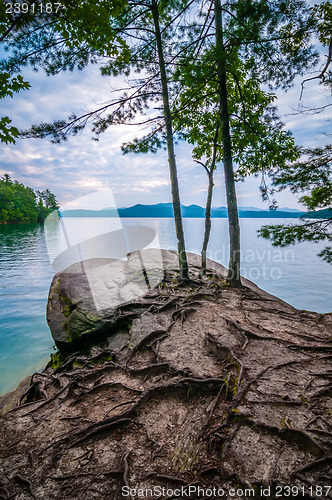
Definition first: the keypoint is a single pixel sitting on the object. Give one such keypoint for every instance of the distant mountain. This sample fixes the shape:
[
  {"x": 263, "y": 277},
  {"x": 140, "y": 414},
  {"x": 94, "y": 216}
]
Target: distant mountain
[
  {"x": 89, "y": 213},
  {"x": 192, "y": 211},
  {"x": 159, "y": 210},
  {"x": 270, "y": 214},
  {"x": 164, "y": 210},
  {"x": 220, "y": 212},
  {"x": 286, "y": 209},
  {"x": 251, "y": 209}
]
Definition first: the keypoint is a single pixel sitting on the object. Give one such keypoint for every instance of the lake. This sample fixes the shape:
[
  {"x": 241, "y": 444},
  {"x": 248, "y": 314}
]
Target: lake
[{"x": 294, "y": 274}]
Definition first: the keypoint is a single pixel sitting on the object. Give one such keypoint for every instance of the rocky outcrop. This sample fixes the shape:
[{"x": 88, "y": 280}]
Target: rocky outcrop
[
  {"x": 205, "y": 387},
  {"x": 87, "y": 301},
  {"x": 84, "y": 299}
]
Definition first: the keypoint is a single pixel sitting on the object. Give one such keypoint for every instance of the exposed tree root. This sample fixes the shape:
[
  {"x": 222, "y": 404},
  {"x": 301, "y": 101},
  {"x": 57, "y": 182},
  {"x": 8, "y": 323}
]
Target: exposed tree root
[
  {"x": 225, "y": 353},
  {"x": 248, "y": 333},
  {"x": 215, "y": 392},
  {"x": 288, "y": 433},
  {"x": 316, "y": 463},
  {"x": 126, "y": 471},
  {"x": 26, "y": 482},
  {"x": 151, "y": 337}
]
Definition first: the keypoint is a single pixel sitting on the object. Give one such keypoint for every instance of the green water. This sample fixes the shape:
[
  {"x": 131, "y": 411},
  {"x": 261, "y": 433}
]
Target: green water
[{"x": 25, "y": 277}]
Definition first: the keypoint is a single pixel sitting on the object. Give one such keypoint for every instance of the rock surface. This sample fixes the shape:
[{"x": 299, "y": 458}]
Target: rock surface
[
  {"x": 84, "y": 299},
  {"x": 203, "y": 385}
]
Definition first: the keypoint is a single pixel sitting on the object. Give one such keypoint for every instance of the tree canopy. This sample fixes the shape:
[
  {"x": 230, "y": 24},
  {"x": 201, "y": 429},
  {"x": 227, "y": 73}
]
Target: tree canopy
[
  {"x": 312, "y": 176},
  {"x": 19, "y": 203},
  {"x": 199, "y": 62},
  {"x": 69, "y": 33}
]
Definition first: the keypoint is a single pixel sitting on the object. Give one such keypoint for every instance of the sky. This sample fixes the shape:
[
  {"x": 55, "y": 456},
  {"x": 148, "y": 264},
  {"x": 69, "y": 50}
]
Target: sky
[{"x": 82, "y": 166}]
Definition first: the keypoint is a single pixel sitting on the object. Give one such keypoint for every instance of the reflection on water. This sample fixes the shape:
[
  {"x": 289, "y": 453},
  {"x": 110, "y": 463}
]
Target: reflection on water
[
  {"x": 25, "y": 276},
  {"x": 294, "y": 274}
]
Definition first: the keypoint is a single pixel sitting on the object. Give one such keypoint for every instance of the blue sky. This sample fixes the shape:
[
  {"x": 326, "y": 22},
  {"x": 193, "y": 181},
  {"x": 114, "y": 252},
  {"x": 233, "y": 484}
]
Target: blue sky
[{"x": 81, "y": 166}]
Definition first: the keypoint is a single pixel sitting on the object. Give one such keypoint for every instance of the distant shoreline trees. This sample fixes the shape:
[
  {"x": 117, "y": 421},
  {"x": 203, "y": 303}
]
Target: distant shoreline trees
[{"x": 19, "y": 203}]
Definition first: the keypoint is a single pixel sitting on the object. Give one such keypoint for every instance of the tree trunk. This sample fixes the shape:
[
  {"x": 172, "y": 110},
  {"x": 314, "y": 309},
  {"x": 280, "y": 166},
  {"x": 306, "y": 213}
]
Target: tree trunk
[
  {"x": 209, "y": 200},
  {"x": 207, "y": 222},
  {"x": 184, "y": 273},
  {"x": 233, "y": 277}
]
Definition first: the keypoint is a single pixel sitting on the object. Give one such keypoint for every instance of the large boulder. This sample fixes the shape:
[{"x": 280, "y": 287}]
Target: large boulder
[
  {"x": 87, "y": 301},
  {"x": 72, "y": 314}
]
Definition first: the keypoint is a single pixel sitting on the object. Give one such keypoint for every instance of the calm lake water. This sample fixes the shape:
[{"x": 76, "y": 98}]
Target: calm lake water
[{"x": 294, "y": 274}]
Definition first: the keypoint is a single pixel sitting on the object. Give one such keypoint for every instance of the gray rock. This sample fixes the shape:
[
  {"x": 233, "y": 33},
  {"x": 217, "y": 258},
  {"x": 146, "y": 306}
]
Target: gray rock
[
  {"x": 10, "y": 400},
  {"x": 72, "y": 312},
  {"x": 86, "y": 299}
]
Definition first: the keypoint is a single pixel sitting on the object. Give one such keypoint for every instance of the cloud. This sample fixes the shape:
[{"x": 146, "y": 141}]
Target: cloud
[{"x": 80, "y": 165}]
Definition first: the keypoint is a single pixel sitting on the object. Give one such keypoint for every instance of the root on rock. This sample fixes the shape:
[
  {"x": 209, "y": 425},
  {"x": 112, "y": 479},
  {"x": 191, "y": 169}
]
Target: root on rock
[{"x": 215, "y": 392}]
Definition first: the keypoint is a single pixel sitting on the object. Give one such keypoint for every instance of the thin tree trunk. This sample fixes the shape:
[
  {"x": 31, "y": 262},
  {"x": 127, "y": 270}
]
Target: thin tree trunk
[
  {"x": 207, "y": 222},
  {"x": 209, "y": 200},
  {"x": 233, "y": 277},
  {"x": 184, "y": 272}
]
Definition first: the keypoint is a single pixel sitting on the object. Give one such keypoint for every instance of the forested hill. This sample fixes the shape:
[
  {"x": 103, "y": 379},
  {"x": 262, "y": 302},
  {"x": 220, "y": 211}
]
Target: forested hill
[
  {"x": 19, "y": 203},
  {"x": 162, "y": 210}
]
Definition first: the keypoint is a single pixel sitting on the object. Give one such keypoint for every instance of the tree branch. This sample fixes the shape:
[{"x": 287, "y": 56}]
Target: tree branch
[{"x": 322, "y": 73}]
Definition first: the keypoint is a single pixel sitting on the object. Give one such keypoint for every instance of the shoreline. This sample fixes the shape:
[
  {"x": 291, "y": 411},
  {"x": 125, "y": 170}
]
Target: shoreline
[
  {"x": 20, "y": 222},
  {"x": 214, "y": 266}
]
